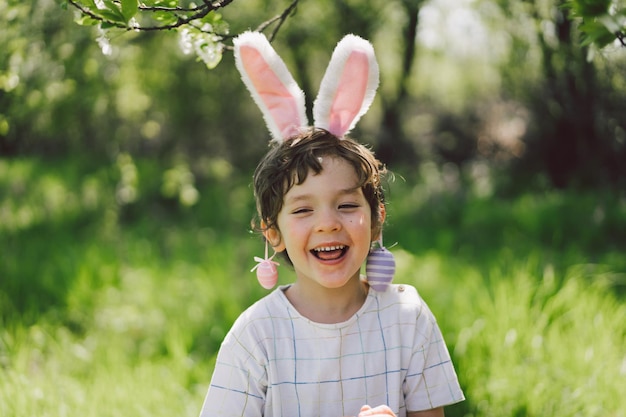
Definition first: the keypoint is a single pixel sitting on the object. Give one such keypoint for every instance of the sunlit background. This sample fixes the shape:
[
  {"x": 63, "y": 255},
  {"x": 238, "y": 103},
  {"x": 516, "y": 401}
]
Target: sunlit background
[{"x": 125, "y": 201}]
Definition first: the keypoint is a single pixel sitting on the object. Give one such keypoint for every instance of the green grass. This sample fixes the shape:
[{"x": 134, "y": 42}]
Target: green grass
[
  {"x": 110, "y": 309},
  {"x": 527, "y": 345}
]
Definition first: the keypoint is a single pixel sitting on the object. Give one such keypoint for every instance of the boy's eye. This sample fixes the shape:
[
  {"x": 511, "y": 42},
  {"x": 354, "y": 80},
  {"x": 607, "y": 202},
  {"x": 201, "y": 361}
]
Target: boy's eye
[
  {"x": 348, "y": 206},
  {"x": 300, "y": 211}
]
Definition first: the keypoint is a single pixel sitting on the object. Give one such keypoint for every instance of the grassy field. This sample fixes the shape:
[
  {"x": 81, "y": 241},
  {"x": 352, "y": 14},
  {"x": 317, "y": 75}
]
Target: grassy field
[{"x": 116, "y": 290}]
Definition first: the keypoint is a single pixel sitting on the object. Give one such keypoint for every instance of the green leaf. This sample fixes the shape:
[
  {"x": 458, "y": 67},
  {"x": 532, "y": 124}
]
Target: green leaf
[
  {"x": 129, "y": 9},
  {"x": 112, "y": 12},
  {"x": 90, "y": 4},
  {"x": 168, "y": 3},
  {"x": 218, "y": 25},
  {"x": 86, "y": 21},
  {"x": 107, "y": 25},
  {"x": 112, "y": 16},
  {"x": 597, "y": 34},
  {"x": 164, "y": 17}
]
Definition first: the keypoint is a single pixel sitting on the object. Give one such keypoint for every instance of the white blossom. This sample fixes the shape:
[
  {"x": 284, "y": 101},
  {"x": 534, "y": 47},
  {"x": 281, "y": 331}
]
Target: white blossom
[
  {"x": 104, "y": 42},
  {"x": 206, "y": 46}
]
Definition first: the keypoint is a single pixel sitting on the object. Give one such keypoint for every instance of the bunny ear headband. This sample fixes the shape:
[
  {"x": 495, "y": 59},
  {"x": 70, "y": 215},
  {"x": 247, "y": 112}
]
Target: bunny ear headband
[{"x": 346, "y": 91}]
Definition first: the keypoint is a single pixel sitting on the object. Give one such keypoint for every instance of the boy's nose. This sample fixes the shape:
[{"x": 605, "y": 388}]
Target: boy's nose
[{"x": 328, "y": 221}]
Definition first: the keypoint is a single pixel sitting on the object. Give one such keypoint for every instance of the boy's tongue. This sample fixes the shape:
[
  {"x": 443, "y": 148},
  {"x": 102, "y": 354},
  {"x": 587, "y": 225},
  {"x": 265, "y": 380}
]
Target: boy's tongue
[{"x": 329, "y": 255}]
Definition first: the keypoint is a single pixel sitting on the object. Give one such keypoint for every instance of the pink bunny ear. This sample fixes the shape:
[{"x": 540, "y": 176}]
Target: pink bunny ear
[
  {"x": 348, "y": 87},
  {"x": 271, "y": 85}
]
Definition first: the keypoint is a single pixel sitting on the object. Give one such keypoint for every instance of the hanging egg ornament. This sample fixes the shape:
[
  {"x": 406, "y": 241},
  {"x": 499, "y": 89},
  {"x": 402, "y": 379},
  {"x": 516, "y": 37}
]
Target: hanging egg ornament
[
  {"x": 267, "y": 273},
  {"x": 380, "y": 268}
]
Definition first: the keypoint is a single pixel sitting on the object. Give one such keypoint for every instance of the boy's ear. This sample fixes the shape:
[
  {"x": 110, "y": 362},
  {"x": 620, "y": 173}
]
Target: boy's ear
[
  {"x": 377, "y": 224},
  {"x": 272, "y": 234}
]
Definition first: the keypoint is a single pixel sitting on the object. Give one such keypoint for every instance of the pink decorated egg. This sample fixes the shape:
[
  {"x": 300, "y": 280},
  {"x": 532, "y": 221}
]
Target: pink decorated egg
[{"x": 267, "y": 274}]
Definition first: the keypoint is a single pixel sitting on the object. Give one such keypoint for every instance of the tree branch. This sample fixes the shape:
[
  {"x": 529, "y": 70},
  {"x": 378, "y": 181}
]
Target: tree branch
[
  {"x": 181, "y": 20},
  {"x": 281, "y": 18}
]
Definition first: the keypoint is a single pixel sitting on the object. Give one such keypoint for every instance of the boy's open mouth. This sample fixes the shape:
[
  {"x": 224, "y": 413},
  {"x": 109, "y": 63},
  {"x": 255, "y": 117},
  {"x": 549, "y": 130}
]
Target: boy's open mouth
[{"x": 329, "y": 253}]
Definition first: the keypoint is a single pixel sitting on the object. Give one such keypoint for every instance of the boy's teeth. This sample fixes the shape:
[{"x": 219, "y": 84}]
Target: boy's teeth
[{"x": 329, "y": 248}]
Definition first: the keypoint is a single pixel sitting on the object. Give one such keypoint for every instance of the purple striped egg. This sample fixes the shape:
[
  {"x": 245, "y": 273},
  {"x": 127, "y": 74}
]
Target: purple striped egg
[{"x": 380, "y": 268}]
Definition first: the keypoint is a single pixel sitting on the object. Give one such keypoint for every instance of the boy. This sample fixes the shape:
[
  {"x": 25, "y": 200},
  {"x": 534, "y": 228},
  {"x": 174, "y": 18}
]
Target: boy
[{"x": 329, "y": 344}]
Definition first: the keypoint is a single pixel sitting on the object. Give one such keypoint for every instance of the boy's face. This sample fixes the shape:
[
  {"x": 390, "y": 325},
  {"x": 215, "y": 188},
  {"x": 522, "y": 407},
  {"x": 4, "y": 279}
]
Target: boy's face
[{"x": 325, "y": 225}]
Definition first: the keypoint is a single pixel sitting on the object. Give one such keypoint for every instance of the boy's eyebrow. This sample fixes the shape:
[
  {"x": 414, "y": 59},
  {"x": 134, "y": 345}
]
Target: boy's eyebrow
[
  {"x": 296, "y": 198},
  {"x": 353, "y": 190},
  {"x": 303, "y": 197}
]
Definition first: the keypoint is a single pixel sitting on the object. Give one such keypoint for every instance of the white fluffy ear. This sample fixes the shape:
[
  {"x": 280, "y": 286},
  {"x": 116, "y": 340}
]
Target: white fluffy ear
[
  {"x": 348, "y": 87},
  {"x": 271, "y": 85}
]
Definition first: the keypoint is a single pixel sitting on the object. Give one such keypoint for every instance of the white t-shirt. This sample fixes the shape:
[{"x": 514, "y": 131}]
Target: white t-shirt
[{"x": 276, "y": 363}]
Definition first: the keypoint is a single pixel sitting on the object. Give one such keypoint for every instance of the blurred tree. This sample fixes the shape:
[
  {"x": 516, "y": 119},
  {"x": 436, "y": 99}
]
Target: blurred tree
[
  {"x": 574, "y": 134},
  {"x": 54, "y": 88},
  {"x": 61, "y": 95},
  {"x": 393, "y": 139},
  {"x": 204, "y": 31},
  {"x": 111, "y": 88}
]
